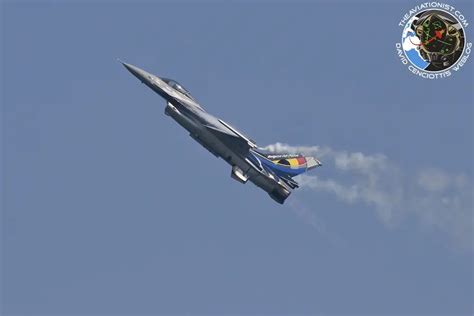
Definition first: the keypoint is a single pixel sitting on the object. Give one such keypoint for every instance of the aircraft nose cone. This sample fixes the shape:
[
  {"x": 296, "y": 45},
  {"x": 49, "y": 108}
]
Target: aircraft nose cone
[
  {"x": 137, "y": 72},
  {"x": 134, "y": 70}
]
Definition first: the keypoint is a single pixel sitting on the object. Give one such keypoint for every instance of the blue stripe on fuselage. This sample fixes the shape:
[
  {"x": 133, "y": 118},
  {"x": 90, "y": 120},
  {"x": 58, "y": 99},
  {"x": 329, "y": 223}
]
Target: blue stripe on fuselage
[{"x": 279, "y": 169}]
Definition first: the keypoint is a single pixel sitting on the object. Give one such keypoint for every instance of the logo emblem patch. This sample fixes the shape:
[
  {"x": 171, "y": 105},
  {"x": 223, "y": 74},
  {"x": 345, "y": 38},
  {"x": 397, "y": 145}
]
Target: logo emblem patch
[{"x": 433, "y": 42}]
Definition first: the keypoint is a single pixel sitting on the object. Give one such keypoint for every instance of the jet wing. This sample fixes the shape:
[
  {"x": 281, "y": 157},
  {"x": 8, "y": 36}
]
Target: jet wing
[{"x": 236, "y": 143}]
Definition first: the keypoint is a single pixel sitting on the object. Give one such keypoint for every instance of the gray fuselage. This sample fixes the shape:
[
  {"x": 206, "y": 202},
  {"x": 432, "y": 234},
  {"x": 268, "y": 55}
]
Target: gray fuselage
[{"x": 203, "y": 127}]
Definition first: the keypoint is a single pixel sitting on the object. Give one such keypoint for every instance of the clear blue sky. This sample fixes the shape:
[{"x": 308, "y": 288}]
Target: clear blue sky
[{"x": 110, "y": 208}]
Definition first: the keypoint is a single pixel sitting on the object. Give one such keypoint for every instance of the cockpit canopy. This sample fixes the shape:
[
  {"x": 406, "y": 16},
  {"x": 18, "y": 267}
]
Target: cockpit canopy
[{"x": 175, "y": 85}]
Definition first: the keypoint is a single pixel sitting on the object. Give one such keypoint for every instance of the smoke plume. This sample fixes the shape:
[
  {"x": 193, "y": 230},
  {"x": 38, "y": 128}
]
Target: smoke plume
[{"x": 439, "y": 200}]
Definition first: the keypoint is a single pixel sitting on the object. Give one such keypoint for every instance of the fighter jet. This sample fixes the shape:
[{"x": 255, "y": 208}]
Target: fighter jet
[{"x": 273, "y": 172}]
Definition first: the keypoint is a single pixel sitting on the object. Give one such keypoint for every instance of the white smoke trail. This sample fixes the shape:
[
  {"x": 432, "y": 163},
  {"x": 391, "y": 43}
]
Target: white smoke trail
[
  {"x": 440, "y": 200},
  {"x": 310, "y": 217}
]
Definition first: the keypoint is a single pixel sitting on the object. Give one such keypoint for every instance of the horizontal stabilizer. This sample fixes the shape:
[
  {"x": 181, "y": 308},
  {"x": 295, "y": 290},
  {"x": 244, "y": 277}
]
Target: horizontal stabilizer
[{"x": 290, "y": 182}]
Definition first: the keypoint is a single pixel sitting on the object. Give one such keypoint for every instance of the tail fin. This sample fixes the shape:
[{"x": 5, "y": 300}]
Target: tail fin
[{"x": 288, "y": 165}]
